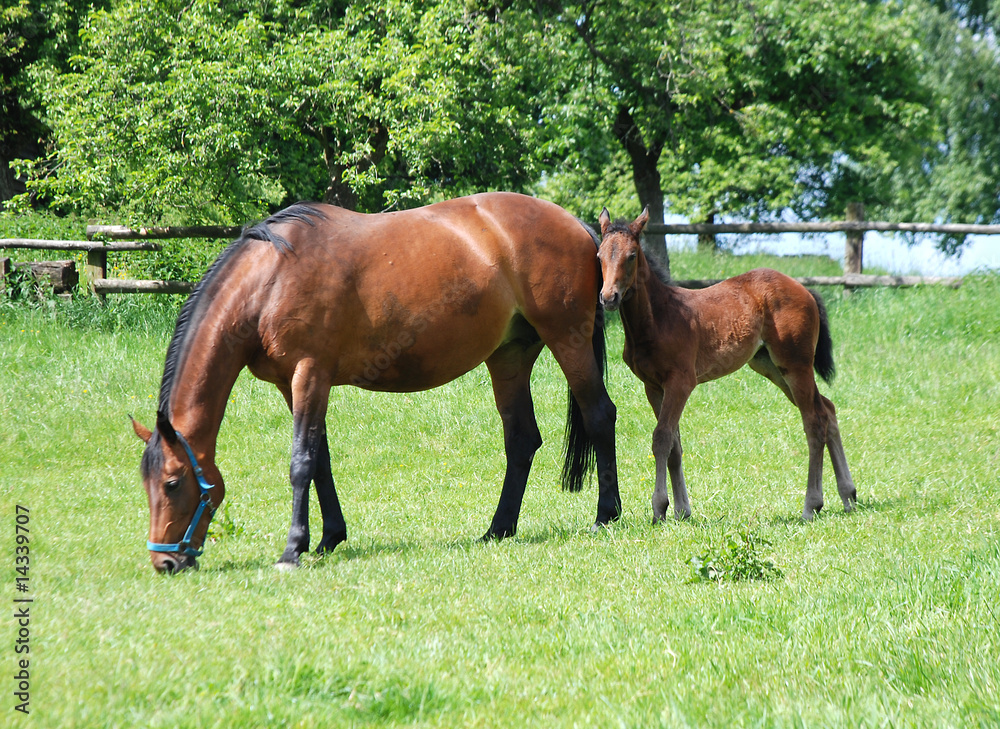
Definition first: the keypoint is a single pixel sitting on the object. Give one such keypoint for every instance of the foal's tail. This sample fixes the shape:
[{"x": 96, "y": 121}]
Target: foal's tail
[
  {"x": 580, "y": 454},
  {"x": 823, "y": 361}
]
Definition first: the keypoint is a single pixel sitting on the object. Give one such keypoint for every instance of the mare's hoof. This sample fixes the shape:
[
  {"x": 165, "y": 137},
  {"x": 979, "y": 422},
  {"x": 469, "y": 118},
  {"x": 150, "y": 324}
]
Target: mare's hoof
[
  {"x": 283, "y": 566},
  {"x": 328, "y": 545},
  {"x": 496, "y": 536}
]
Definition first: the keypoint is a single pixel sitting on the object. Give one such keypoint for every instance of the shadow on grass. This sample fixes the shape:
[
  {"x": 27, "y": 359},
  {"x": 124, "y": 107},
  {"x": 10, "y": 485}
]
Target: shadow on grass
[{"x": 836, "y": 511}]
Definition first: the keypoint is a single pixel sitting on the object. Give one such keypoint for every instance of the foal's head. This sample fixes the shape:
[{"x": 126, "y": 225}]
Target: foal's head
[{"x": 619, "y": 255}]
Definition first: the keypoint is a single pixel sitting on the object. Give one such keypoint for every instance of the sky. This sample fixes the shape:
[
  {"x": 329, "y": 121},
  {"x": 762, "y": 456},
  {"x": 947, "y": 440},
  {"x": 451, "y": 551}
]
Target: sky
[{"x": 882, "y": 252}]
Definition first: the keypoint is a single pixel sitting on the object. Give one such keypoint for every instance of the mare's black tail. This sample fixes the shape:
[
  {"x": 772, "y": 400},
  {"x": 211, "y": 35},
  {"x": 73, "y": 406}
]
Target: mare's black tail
[
  {"x": 580, "y": 455},
  {"x": 823, "y": 361}
]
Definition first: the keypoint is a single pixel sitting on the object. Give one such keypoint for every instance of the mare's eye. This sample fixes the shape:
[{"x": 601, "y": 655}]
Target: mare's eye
[
  {"x": 172, "y": 485},
  {"x": 632, "y": 256}
]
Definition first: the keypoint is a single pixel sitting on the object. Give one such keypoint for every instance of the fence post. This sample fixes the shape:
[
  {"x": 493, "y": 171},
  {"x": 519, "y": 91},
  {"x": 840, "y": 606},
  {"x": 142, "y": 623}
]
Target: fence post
[
  {"x": 97, "y": 267},
  {"x": 855, "y": 239}
]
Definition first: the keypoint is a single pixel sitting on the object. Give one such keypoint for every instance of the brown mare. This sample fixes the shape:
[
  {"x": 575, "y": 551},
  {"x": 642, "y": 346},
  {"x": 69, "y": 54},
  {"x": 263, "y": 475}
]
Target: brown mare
[
  {"x": 318, "y": 296},
  {"x": 677, "y": 338}
]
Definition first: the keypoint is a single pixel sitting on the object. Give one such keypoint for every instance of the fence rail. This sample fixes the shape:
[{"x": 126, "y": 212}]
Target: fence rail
[
  {"x": 838, "y": 226},
  {"x": 104, "y": 239}
]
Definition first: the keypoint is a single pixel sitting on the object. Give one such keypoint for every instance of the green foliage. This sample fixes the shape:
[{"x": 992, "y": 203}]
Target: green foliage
[
  {"x": 955, "y": 179},
  {"x": 753, "y": 111},
  {"x": 735, "y": 558},
  {"x": 204, "y": 112}
]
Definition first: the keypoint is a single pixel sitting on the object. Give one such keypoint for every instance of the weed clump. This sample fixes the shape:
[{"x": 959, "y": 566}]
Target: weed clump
[{"x": 736, "y": 557}]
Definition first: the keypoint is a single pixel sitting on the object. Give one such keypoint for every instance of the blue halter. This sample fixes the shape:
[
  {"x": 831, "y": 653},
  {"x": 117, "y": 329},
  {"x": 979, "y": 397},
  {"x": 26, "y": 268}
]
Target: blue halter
[{"x": 184, "y": 546}]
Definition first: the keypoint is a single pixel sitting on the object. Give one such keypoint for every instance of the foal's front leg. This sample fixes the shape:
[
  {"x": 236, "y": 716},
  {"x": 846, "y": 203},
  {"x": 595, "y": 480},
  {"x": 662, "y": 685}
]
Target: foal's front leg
[{"x": 667, "y": 451}]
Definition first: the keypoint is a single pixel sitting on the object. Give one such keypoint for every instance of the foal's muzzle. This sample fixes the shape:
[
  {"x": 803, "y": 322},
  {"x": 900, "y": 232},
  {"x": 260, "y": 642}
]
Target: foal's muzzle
[{"x": 611, "y": 302}]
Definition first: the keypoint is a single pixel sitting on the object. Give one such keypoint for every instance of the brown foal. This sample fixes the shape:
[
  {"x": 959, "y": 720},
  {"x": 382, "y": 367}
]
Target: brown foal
[{"x": 677, "y": 338}]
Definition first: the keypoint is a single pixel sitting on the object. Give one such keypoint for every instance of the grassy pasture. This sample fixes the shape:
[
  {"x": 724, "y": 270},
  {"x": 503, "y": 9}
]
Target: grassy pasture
[{"x": 885, "y": 617}]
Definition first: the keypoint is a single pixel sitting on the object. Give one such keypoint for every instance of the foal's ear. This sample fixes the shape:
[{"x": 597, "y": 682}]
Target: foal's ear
[
  {"x": 141, "y": 430},
  {"x": 163, "y": 425},
  {"x": 605, "y": 221},
  {"x": 640, "y": 222}
]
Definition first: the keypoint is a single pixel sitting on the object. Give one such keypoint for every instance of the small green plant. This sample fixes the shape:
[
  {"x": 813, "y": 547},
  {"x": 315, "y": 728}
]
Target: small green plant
[
  {"x": 736, "y": 558},
  {"x": 223, "y": 525}
]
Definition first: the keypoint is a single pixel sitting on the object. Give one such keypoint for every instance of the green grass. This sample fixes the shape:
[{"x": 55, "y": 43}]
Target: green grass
[{"x": 884, "y": 617}]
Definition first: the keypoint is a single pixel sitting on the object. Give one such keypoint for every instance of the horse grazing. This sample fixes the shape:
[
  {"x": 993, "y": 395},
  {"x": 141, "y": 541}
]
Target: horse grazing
[
  {"x": 677, "y": 338},
  {"x": 317, "y": 296}
]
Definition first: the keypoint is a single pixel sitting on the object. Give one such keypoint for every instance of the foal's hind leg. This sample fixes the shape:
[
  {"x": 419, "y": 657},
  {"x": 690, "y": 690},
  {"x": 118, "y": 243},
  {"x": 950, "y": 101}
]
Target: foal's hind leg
[
  {"x": 845, "y": 483},
  {"x": 799, "y": 386},
  {"x": 815, "y": 420},
  {"x": 510, "y": 371}
]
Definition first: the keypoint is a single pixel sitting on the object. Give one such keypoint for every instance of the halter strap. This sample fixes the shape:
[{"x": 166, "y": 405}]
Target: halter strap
[{"x": 184, "y": 546}]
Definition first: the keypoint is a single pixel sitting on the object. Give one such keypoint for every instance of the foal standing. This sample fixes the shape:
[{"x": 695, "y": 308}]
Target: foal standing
[{"x": 677, "y": 338}]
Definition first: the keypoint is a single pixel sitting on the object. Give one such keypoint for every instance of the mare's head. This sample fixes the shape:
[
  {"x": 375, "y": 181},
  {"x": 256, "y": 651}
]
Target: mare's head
[
  {"x": 619, "y": 255},
  {"x": 183, "y": 492}
]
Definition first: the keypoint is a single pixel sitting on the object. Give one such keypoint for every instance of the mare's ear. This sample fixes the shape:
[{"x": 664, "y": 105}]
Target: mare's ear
[
  {"x": 640, "y": 222},
  {"x": 163, "y": 425},
  {"x": 141, "y": 430},
  {"x": 605, "y": 221}
]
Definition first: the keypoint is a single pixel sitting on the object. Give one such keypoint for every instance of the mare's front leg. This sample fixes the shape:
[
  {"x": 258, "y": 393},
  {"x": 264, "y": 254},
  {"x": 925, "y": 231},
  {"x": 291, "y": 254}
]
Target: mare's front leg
[
  {"x": 667, "y": 449},
  {"x": 334, "y": 526},
  {"x": 309, "y": 397}
]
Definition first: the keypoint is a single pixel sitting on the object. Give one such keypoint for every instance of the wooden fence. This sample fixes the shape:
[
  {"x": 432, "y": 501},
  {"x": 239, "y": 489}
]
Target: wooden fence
[{"x": 105, "y": 239}]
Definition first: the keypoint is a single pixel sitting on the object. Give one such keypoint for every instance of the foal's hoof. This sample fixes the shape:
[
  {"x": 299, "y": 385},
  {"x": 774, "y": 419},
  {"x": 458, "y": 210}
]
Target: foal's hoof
[{"x": 286, "y": 566}]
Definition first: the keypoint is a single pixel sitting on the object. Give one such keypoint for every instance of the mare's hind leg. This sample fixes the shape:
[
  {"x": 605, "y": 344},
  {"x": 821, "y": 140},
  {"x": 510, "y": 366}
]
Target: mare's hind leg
[
  {"x": 576, "y": 358},
  {"x": 668, "y": 403},
  {"x": 510, "y": 371}
]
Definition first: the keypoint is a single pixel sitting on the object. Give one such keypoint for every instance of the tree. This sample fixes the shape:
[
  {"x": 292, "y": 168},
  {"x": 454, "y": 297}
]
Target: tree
[
  {"x": 957, "y": 178},
  {"x": 753, "y": 108},
  {"x": 36, "y": 38},
  {"x": 208, "y": 111}
]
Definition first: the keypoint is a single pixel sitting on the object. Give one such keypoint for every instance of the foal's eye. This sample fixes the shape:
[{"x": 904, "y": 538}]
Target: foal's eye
[
  {"x": 172, "y": 485},
  {"x": 632, "y": 256}
]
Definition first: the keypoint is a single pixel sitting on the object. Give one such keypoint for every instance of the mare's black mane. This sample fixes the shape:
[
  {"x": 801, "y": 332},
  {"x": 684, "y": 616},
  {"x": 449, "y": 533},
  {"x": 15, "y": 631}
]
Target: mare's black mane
[{"x": 304, "y": 213}]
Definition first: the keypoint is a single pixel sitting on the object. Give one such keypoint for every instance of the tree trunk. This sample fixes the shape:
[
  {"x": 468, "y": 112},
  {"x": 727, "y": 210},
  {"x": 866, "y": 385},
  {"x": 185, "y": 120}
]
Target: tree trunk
[
  {"x": 854, "y": 250},
  {"x": 707, "y": 243},
  {"x": 9, "y": 184},
  {"x": 647, "y": 181},
  {"x": 338, "y": 191}
]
